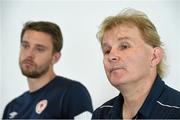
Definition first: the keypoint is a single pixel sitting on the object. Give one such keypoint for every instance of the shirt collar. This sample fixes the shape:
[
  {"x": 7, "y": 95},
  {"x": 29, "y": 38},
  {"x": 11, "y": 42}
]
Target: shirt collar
[
  {"x": 116, "y": 112},
  {"x": 153, "y": 96}
]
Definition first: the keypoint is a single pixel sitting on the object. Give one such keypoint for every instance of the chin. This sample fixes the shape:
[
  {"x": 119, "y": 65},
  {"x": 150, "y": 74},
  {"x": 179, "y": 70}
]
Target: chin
[
  {"x": 116, "y": 81},
  {"x": 117, "y": 77}
]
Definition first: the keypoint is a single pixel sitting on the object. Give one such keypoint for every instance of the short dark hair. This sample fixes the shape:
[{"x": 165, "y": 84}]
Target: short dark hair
[{"x": 46, "y": 27}]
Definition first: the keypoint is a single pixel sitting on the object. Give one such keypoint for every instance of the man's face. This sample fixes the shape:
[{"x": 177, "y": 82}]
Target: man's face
[
  {"x": 36, "y": 53},
  {"x": 127, "y": 57}
]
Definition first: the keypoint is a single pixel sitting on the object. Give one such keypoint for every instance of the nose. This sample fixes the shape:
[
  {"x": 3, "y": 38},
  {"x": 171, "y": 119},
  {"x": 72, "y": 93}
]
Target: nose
[
  {"x": 113, "y": 56},
  {"x": 30, "y": 53}
]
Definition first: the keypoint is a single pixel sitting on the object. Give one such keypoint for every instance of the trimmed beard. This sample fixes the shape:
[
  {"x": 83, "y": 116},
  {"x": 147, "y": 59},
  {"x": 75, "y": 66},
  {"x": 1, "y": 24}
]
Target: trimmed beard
[{"x": 34, "y": 72}]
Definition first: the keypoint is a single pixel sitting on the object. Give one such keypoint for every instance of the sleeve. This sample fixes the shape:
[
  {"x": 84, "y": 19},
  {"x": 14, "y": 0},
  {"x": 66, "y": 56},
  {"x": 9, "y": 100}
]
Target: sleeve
[
  {"x": 6, "y": 111},
  {"x": 77, "y": 101},
  {"x": 5, "y": 116}
]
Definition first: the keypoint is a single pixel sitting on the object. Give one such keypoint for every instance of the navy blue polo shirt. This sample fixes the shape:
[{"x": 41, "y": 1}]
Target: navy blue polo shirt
[
  {"x": 162, "y": 102},
  {"x": 60, "y": 98}
]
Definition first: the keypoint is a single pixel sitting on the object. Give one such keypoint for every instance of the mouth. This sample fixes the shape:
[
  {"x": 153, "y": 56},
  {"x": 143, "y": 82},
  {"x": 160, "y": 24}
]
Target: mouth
[
  {"x": 28, "y": 63},
  {"x": 116, "y": 68}
]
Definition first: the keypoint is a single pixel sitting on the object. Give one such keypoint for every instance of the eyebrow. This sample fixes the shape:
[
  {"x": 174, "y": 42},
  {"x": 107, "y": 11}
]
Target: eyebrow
[
  {"x": 40, "y": 46},
  {"x": 37, "y": 45},
  {"x": 124, "y": 38},
  {"x": 119, "y": 39},
  {"x": 23, "y": 41}
]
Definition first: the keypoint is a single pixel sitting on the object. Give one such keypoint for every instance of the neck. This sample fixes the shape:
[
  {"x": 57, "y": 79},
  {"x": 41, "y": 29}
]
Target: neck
[
  {"x": 134, "y": 95},
  {"x": 37, "y": 83}
]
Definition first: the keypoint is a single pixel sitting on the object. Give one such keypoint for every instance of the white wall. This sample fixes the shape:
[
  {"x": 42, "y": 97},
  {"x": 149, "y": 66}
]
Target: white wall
[
  {"x": 0, "y": 56},
  {"x": 81, "y": 55}
]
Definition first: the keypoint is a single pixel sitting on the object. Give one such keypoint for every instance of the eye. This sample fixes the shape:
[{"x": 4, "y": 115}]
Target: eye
[
  {"x": 106, "y": 50},
  {"x": 24, "y": 45},
  {"x": 124, "y": 46},
  {"x": 40, "y": 49}
]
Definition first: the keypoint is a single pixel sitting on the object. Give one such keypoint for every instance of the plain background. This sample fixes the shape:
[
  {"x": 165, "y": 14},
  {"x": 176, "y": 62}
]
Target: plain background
[{"x": 81, "y": 55}]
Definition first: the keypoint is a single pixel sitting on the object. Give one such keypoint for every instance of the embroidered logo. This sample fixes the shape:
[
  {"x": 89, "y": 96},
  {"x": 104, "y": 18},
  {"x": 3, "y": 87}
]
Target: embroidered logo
[
  {"x": 41, "y": 106},
  {"x": 12, "y": 115}
]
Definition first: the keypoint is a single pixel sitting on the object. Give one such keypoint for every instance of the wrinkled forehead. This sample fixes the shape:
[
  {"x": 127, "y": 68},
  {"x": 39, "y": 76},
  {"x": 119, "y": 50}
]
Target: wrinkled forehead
[
  {"x": 110, "y": 27},
  {"x": 122, "y": 31}
]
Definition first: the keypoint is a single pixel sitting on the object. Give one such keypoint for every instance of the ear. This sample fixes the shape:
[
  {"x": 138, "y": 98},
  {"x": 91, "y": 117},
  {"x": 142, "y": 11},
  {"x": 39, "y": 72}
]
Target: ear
[
  {"x": 157, "y": 56},
  {"x": 56, "y": 57}
]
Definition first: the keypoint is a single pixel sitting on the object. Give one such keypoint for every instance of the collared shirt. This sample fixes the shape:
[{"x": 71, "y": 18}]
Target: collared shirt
[{"x": 162, "y": 102}]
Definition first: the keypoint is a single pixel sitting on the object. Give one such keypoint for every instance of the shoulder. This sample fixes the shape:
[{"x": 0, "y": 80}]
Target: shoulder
[
  {"x": 66, "y": 85},
  {"x": 167, "y": 97},
  {"x": 19, "y": 99},
  {"x": 109, "y": 103},
  {"x": 170, "y": 96},
  {"x": 66, "y": 82},
  {"x": 15, "y": 103},
  {"x": 72, "y": 89},
  {"x": 76, "y": 98},
  {"x": 168, "y": 104},
  {"x": 104, "y": 110}
]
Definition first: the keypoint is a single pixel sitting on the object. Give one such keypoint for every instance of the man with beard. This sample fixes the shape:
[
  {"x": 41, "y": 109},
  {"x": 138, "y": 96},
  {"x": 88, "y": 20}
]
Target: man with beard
[
  {"x": 49, "y": 96},
  {"x": 133, "y": 62}
]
